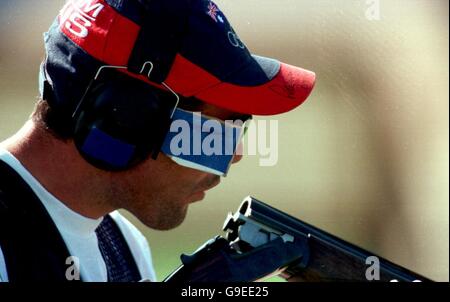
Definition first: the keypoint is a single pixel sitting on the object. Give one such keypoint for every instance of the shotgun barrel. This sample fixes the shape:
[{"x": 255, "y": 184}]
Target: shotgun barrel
[{"x": 262, "y": 241}]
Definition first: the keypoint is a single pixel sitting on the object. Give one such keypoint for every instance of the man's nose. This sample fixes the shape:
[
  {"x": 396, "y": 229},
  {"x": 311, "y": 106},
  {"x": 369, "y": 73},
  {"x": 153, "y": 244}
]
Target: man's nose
[{"x": 238, "y": 154}]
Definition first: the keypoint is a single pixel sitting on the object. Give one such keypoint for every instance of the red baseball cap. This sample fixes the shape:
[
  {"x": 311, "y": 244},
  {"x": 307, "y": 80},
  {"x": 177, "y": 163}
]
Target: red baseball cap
[{"x": 190, "y": 45}]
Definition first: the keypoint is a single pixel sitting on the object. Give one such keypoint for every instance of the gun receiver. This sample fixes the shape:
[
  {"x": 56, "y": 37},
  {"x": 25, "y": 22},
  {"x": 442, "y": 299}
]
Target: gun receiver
[{"x": 262, "y": 241}]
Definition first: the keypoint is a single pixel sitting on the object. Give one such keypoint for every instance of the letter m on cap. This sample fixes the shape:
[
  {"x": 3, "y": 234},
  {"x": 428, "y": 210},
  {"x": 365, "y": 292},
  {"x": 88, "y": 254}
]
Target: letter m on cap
[{"x": 78, "y": 15}]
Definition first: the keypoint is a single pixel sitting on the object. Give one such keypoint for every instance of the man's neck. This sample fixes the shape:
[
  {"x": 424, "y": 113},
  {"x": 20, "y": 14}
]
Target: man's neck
[{"x": 61, "y": 170}]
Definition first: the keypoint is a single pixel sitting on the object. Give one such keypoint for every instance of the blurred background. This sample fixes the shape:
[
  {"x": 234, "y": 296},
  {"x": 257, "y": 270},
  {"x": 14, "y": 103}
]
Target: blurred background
[{"x": 365, "y": 158}]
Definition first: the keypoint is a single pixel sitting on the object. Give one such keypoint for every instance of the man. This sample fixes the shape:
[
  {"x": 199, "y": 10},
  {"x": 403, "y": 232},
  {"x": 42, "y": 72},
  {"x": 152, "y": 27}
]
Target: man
[{"x": 117, "y": 78}]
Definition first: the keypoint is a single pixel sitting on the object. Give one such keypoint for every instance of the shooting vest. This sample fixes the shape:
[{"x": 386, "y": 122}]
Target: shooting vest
[{"x": 30, "y": 241}]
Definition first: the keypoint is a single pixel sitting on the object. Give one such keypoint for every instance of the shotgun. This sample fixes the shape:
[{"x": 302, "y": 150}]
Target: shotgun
[{"x": 262, "y": 241}]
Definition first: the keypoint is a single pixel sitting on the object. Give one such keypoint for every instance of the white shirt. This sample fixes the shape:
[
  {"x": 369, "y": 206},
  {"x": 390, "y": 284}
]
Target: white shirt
[{"x": 78, "y": 232}]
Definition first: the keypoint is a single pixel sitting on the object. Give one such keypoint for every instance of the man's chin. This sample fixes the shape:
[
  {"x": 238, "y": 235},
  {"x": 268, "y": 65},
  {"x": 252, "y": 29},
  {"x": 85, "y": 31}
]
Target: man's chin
[{"x": 165, "y": 221}]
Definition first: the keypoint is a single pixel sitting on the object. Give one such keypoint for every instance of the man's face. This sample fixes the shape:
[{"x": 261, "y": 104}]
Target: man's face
[{"x": 158, "y": 192}]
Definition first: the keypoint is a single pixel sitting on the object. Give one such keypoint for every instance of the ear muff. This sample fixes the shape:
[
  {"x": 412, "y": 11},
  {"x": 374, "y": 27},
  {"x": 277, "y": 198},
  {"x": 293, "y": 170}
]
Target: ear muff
[{"x": 121, "y": 121}]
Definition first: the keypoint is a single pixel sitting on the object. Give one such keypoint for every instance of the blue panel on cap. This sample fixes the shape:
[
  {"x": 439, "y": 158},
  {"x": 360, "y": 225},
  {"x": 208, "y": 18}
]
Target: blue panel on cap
[
  {"x": 70, "y": 68},
  {"x": 212, "y": 44},
  {"x": 108, "y": 149},
  {"x": 130, "y": 9}
]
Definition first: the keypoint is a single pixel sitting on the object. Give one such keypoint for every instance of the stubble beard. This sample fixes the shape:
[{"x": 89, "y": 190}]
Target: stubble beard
[{"x": 157, "y": 212}]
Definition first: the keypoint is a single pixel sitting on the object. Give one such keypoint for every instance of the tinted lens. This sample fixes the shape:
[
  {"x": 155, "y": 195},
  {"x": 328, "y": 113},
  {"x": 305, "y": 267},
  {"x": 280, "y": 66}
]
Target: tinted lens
[{"x": 202, "y": 143}]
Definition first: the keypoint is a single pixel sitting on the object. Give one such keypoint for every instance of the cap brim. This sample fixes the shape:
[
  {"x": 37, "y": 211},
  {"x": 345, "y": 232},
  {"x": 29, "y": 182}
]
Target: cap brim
[
  {"x": 282, "y": 87},
  {"x": 284, "y": 90}
]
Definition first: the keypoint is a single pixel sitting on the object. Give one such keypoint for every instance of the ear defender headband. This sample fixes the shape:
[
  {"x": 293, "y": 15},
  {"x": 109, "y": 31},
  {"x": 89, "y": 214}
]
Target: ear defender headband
[{"x": 120, "y": 121}]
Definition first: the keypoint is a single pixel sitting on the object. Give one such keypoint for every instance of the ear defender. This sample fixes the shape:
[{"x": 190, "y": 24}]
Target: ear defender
[{"x": 121, "y": 121}]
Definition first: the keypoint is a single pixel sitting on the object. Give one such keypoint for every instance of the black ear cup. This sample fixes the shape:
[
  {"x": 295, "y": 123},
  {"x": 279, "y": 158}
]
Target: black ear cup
[{"x": 121, "y": 121}]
